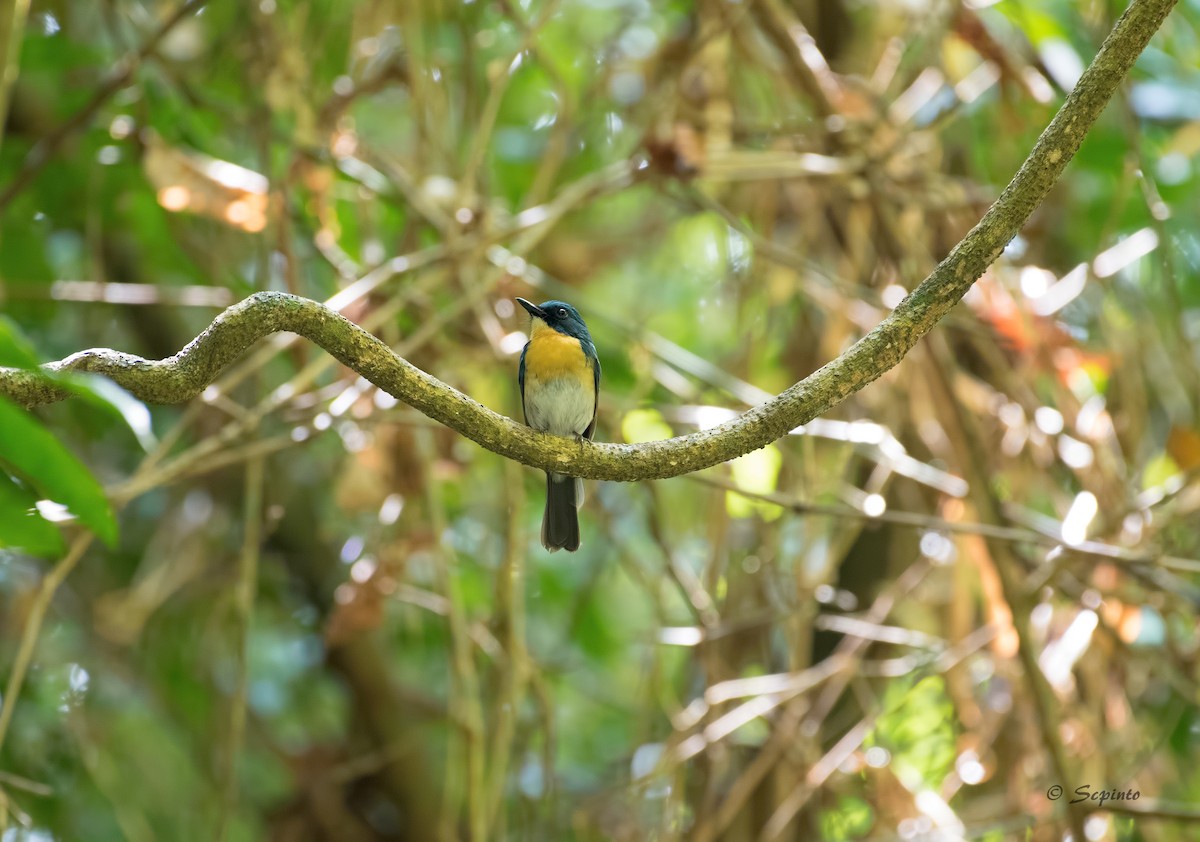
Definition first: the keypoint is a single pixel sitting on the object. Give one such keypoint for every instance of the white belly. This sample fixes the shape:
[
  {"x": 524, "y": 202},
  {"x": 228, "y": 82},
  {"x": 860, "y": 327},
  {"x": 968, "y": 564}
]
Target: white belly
[{"x": 562, "y": 406}]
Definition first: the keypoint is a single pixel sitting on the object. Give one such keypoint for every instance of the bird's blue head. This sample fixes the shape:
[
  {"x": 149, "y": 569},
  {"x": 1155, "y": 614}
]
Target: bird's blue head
[{"x": 559, "y": 316}]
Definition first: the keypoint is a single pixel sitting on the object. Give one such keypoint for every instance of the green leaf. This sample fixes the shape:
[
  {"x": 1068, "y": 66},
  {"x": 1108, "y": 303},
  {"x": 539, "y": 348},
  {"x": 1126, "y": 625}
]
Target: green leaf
[
  {"x": 1158, "y": 471},
  {"x": 111, "y": 399},
  {"x": 757, "y": 472},
  {"x": 852, "y": 818},
  {"x": 27, "y": 447},
  {"x": 643, "y": 425},
  {"x": 21, "y": 527},
  {"x": 917, "y": 728},
  {"x": 15, "y": 350}
]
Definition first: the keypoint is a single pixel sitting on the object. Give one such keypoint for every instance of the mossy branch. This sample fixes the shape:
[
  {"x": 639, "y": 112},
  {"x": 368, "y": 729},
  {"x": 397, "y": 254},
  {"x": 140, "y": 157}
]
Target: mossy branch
[{"x": 185, "y": 375}]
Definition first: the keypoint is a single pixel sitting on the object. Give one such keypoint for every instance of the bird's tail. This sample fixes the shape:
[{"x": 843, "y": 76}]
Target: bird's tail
[{"x": 560, "y": 521}]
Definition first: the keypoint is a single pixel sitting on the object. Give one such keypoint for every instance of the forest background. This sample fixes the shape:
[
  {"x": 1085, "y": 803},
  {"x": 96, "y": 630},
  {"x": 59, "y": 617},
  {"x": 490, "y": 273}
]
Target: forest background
[{"x": 296, "y": 609}]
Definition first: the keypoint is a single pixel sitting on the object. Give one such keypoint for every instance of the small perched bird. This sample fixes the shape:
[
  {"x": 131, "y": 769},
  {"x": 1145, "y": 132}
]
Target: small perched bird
[{"x": 560, "y": 382}]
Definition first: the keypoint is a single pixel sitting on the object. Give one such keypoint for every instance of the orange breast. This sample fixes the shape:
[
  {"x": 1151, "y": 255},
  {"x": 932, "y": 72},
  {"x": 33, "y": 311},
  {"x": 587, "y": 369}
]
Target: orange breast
[{"x": 552, "y": 355}]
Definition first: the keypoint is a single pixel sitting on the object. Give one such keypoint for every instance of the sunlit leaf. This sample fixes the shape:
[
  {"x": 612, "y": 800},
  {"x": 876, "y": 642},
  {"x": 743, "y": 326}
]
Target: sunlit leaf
[
  {"x": 757, "y": 472},
  {"x": 1158, "y": 471},
  {"x": 642, "y": 425},
  {"x": 917, "y": 729},
  {"x": 852, "y": 818}
]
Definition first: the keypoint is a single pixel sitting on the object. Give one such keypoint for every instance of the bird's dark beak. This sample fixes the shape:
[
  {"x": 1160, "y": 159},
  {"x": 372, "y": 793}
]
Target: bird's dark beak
[{"x": 534, "y": 310}]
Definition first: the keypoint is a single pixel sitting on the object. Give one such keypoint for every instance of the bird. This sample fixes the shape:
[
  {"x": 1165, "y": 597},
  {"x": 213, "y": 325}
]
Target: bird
[{"x": 559, "y": 378}]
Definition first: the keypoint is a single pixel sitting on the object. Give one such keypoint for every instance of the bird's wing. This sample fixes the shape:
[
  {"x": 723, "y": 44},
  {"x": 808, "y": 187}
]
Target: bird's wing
[
  {"x": 591, "y": 428},
  {"x": 521, "y": 382}
]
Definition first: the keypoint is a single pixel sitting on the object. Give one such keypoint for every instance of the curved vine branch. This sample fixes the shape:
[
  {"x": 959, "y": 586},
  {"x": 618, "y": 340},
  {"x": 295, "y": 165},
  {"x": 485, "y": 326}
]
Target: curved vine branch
[{"x": 183, "y": 376}]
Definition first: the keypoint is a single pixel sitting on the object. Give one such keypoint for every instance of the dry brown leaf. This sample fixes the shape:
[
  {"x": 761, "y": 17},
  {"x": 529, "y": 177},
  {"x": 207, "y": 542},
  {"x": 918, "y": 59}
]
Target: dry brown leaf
[{"x": 188, "y": 181}]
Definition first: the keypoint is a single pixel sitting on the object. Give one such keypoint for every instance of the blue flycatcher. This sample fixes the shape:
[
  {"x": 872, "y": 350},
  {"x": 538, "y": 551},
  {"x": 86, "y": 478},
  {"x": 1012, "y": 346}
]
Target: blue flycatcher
[{"x": 560, "y": 383}]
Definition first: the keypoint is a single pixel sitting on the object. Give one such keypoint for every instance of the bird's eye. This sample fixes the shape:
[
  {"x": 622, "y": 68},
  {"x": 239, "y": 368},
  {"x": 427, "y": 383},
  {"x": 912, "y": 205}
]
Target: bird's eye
[{"x": 562, "y": 312}]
